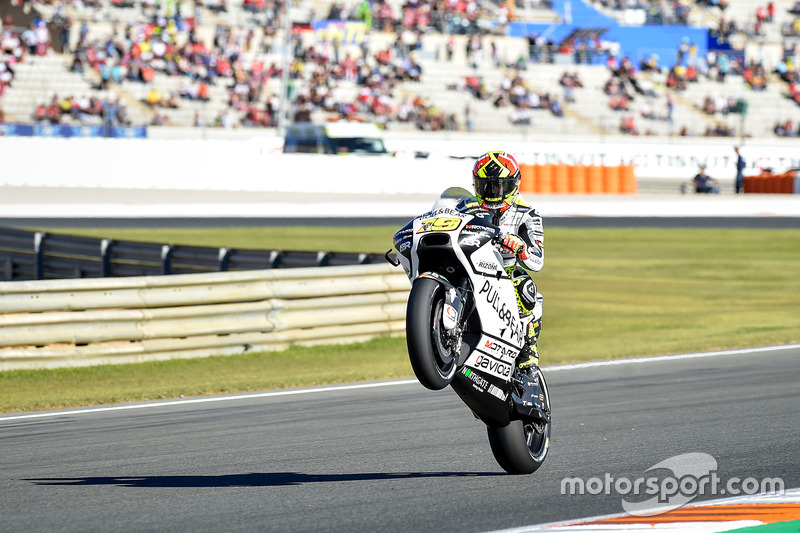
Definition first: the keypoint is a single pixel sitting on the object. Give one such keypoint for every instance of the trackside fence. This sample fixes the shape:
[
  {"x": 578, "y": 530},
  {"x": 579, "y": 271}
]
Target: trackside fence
[
  {"x": 81, "y": 322},
  {"x": 28, "y": 255}
]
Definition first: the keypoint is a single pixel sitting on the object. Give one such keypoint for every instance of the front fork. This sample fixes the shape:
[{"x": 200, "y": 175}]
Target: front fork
[{"x": 453, "y": 312}]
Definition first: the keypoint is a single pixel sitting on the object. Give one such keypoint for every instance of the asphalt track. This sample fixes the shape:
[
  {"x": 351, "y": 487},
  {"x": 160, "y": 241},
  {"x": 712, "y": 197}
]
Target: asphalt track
[
  {"x": 63, "y": 207},
  {"x": 394, "y": 457}
]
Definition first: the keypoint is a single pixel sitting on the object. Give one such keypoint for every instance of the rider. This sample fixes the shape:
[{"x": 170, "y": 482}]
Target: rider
[{"x": 496, "y": 176}]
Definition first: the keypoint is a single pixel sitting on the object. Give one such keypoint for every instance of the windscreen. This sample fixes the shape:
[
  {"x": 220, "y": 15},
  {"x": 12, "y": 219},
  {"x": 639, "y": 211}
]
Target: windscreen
[
  {"x": 451, "y": 197},
  {"x": 359, "y": 145}
]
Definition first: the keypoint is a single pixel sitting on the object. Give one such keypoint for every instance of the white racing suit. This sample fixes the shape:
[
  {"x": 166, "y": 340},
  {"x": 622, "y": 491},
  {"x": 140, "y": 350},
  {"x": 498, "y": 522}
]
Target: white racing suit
[{"x": 522, "y": 220}]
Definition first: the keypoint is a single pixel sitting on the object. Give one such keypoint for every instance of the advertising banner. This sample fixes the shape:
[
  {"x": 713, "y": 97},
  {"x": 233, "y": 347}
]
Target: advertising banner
[
  {"x": 341, "y": 31},
  {"x": 64, "y": 131}
]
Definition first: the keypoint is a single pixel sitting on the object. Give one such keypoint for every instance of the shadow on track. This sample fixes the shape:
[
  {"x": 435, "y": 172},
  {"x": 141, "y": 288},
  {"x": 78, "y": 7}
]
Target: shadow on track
[{"x": 267, "y": 479}]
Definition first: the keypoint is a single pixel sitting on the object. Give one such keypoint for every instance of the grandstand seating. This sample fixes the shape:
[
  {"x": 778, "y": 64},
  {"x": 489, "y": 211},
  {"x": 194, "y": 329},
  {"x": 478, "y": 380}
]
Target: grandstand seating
[{"x": 39, "y": 78}]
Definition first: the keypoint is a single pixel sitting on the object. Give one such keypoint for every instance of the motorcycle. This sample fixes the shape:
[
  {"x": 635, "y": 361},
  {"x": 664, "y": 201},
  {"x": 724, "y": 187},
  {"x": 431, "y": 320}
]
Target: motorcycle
[{"x": 463, "y": 328}]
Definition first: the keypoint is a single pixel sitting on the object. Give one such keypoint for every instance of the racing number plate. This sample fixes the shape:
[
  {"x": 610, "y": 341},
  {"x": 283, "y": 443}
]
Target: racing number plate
[{"x": 440, "y": 224}]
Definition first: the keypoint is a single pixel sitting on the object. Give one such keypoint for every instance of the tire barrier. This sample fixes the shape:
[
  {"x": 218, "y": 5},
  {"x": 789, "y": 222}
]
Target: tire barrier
[
  {"x": 577, "y": 179},
  {"x": 64, "y": 323},
  {"x": 768, "y": 183}
]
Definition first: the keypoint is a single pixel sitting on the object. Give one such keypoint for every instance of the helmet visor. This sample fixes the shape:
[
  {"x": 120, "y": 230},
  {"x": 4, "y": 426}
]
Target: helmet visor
[{"x": 494, "y": 188}]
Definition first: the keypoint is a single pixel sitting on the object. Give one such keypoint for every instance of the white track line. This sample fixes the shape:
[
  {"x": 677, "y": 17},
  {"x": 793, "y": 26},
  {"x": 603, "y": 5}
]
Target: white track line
[
  {"x": 292, "y": 392},
  {"x": 656, "y": 358},
  {"x": 289, "y": 392}
]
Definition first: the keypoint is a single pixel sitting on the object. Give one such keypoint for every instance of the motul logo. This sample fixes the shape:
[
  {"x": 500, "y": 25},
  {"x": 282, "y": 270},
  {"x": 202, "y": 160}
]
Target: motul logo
[{"x": 499, "y": 349}]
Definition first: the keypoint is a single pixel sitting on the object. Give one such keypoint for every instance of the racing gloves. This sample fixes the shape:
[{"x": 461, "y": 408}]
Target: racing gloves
[{"x": 515, "y": 245}]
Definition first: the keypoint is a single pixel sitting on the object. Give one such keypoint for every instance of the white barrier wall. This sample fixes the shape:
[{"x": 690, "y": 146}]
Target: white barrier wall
[
  {"x": 255, "y": 165},
  {"x": 56, "y": 323}
]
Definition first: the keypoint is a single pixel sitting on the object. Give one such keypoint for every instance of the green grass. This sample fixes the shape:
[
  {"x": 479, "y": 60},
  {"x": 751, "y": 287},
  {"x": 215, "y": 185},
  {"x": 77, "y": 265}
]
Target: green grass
[
  {"x": 64, "y": 387},
  {"x": 608, "y": 294},
  {"x": 616, "y": 293}
]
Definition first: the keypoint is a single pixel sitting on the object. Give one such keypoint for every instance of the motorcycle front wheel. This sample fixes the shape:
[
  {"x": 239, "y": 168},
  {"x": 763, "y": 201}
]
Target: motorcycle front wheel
[
  {"x": 433, "y": 365},
  {"x": 521, "y": 447}
]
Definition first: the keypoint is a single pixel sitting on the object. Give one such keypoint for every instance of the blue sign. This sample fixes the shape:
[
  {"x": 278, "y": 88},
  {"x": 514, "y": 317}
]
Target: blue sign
[{"x": 64, "y": 132}]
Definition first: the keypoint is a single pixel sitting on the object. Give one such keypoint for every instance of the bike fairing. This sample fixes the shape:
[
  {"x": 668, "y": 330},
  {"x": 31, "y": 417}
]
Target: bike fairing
[{"x": 483, "y": 262}]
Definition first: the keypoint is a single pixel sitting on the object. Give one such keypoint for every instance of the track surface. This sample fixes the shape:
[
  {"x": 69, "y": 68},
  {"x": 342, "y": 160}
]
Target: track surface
[{"x": 394, "y": 458}]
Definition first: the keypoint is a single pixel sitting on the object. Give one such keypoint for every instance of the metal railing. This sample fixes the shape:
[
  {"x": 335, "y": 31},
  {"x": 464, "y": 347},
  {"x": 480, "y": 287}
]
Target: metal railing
[{"x": 28, "y": 255}]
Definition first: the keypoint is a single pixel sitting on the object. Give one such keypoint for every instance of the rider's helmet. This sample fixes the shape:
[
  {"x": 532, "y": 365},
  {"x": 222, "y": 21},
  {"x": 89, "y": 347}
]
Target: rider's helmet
[{"x": 496, "y": 177}]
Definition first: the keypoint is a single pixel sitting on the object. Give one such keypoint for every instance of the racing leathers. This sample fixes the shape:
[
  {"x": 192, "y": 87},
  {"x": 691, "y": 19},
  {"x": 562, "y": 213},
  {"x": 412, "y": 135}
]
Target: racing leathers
[{"x": 522, "y": 249}]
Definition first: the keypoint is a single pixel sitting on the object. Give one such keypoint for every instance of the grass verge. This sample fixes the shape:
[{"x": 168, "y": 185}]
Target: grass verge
[
  {"x": 380, "y": 358},
  {"x": 608, "y": 294}
]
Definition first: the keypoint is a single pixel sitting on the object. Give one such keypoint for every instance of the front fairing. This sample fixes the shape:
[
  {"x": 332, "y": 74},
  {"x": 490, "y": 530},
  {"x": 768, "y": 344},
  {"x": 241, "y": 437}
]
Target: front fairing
[{"x": 422, "y": 244}]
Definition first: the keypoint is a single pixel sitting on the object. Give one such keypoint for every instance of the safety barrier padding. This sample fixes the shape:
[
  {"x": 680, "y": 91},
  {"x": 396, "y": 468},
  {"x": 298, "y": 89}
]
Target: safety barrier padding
[
  {"x": 56, "y": 323},
  {"x": 767, "y": 183},
  {"x": 577, "y": 179}
]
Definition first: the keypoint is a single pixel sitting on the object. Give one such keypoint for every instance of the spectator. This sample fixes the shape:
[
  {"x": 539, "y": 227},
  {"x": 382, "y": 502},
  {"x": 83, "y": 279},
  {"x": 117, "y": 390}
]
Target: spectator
[
  {"x": 705, "y": 184},
  {"x": 570, "y": 81},
  {"x": 31, "y": 39},
  {"x": 627, "y": 125},
  {"x": 787, "y": 129},
  {"x": 648, "y": 112},
  {"x": 6, "y": 75},
  {"x": 670, "y": 106},
  {"x": 649, "y": 64},
  {"x": 719, "y": 130},
  {"x": 794, "y": 93},
  {"x": 468, "y": 118},
  {"x": 618, "y": 102},
  {"x": 755, "y": 76},
  {"x": 740, "y": 164},
  {"x": 520, "y": 117}
]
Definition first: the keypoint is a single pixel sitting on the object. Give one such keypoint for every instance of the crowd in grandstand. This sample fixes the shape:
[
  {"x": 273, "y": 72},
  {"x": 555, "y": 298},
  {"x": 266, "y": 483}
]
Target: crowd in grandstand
[
  {"x": 81, "y": 110},
  {"x": 16, "y": 45},
  {"x": 164, "y": 43}
]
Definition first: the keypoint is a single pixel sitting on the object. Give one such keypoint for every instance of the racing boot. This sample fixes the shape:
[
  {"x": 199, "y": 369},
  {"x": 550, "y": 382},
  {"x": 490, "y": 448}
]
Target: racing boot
[{"x": 528, "y": 358}]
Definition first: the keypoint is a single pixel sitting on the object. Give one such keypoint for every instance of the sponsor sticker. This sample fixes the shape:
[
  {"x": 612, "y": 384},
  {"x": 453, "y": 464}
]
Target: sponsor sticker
[
  {"x": 507, "y": 316},
  {"x": 490, "y": 365},
  {"x": 496, "y": 392},
  {"x": 442, "y": 211},
  {"x": 496, "y": 349},
  {"x": 439, "y": 224},
  {"x": 477, "y": 381}
]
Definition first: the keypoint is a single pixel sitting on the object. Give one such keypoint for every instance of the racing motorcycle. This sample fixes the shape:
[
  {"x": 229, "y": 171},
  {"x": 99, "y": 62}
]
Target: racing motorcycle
[{"x": 463, "y": 328}]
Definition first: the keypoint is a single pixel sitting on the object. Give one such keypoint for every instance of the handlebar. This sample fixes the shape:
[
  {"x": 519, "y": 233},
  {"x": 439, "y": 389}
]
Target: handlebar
[{"x": 392, "y": 260}]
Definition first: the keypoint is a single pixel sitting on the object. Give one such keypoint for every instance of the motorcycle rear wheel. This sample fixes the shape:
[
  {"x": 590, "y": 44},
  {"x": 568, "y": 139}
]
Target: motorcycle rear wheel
[
  {"x": 433, "y": 366},
  {"x": 520, "y": 447}
]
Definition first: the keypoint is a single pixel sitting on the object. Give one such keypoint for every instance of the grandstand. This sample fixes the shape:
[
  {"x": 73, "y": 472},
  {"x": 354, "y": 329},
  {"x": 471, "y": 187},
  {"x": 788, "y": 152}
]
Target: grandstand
[{"x": 523, "y": 51}]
